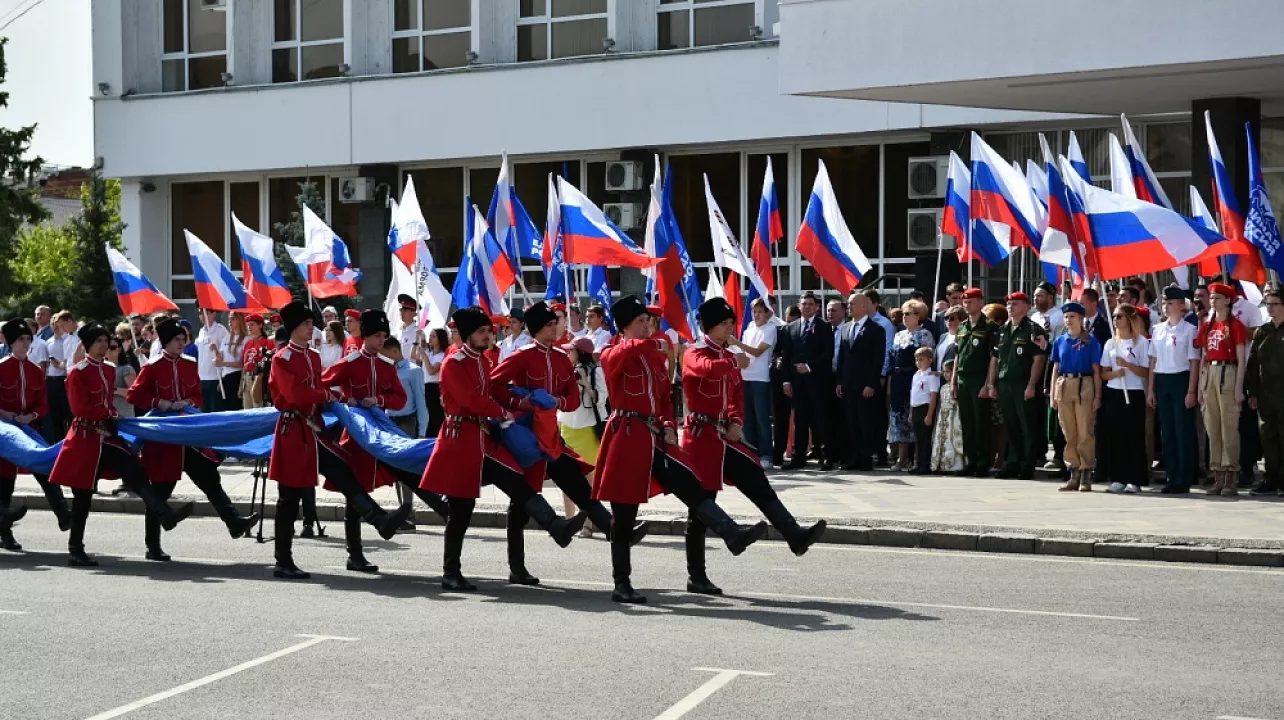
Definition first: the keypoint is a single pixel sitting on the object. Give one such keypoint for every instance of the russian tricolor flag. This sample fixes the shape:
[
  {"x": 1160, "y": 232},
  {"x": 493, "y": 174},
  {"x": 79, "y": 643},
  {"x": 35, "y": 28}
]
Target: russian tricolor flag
[
  {"x": 323, "y": 260},
  {"x": 216, "y": 287},
  {"x": 408, "y": 227},
  {"x": 510, "y": 223},
  {"x": 1246, "y": 264},
  {"x": 1145, "y": 184},
  {"x": 135, "y": 293},
  {"x": 982, "y": 240},
  {"x": 1060, "y": 241},
  {"x": 1077, "y": 163},
  {"x": 826, "y": 242},
  {"x": 263, "y": 278},
  {"x": 484, "y": 266},
  {"x": 768, "y": 230},
  {"x": 589, "y": 238},
  {"x": 552, "y": 253},
  {"x": 1001, "y": 195}
]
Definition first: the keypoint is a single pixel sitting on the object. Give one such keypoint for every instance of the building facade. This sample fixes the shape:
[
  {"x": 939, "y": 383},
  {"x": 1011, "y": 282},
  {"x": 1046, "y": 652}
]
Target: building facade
[{"x": 205, "y": 108}]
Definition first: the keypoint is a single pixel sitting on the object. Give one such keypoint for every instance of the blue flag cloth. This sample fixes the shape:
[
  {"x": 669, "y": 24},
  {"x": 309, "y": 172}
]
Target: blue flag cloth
[
  {"x": 1260, "y": 227},
  {"x": 599, "y": 288}
]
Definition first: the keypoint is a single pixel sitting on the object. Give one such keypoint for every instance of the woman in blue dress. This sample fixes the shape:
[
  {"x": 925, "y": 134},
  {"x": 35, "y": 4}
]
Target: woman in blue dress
[{"x": 900, "y": 431}]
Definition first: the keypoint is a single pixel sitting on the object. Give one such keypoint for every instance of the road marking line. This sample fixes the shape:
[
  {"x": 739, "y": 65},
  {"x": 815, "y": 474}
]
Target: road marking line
[
  {"x": 702, "y": 693},
  {"x": 158, "y": 697},
  {"x": 1236, "y": 717},
  {"x": 14, "y": 612},
  {"x": 1098, "y": 562}
]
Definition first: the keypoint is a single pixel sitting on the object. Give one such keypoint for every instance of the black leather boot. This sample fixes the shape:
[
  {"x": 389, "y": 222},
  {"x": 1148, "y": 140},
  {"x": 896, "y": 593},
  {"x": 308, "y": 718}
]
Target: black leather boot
[
  {"x": 7, "y": 541},
  {"x": 11, "y": 515},
  {"x": 516, "y": 526},
  {"x": 560, "y": 529},
  {"x": 173, "y": 517},
  {"x": 621, "y": 569},
  {"x": 598, "y": 515},
  {"x": 309, "y": 529},
  {"x": 152, "y": 538},
  {"x": 452, "y": 577},
  {"x": 357, "y": 562},
  {"x": 286, "y": 569},
  {"x": 76, "y": 557},
  {"x": 387, "y": 523},
  {"x": 800, "y": 539},
  {"x": 639, "y": 531},
  {"x": 697, "y": 577},
  {"x": 737, "y": 537},
  {"x": 240, "y": 527},
  {"x": 155, "y": 553}
]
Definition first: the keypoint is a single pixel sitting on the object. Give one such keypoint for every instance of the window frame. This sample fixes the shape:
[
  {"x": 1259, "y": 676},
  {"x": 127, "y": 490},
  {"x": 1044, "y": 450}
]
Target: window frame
[
  {"x": 548, "y": 21},
  {"x": 418, "y": 33},
  {"x": 297, "y": 44},
  {"x": 187, "y": 56},
  {"x": 691, "y": 6}
]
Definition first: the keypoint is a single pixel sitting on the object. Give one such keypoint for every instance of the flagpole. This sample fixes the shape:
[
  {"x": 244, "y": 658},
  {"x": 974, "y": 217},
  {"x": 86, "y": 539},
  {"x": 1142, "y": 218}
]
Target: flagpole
[
  {"x": 1022, "y": 285},
  {"x": 940, "y": 255},
  {"x": 971, "y": 228}
]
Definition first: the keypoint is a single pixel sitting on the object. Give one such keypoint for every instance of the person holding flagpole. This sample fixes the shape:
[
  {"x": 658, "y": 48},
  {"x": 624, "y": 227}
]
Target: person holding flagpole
[{"x": 1224, "y": 342}]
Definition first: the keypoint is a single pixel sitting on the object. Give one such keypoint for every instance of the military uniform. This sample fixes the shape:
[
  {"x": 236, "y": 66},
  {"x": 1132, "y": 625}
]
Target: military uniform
[
  {"x": 975, "y": 343},
  {"x": 1264, "y": 377},
  {"x": 1016, "y": 349}
]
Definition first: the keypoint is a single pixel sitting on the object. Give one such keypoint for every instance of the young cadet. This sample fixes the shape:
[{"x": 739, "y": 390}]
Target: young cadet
[
  {"x": 641, "y": 443},
  {"x": 972, "y": 387},
  {"x": 1172, "y": 389},
  {"x": 1018, "y": 359},
  {"x": 468, "y": 451},
  {"x": 300, "y": 451},
  {"x": 23, "y": 402},
  {"x": 712, "y": 438},
  {"x": 171, "y": 382},
  {"x": 92, "y": 446},
  {"x": 1076, "y": 395},
  {"x": 1224, "y": 342}
]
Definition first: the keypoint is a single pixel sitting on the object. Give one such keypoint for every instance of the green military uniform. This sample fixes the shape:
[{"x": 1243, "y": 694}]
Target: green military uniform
[
  {"x": 1263, "y": 380},
  {"x": 975, "y": 343},
  {"x": 1016, "y": 350}
]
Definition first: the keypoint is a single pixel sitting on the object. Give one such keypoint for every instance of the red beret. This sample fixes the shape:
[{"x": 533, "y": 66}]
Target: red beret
[
  {"x": 557, "y": 306},
  {"x": 655, "y": 310},
  {"x": 451, "y": 324},
  {"x": 354, "y": 314},
  {"x": 254, "y": 318},
  {"x": 500, "y": 320},
  {"x": 1222, "y": 289},
  {"x": 973, "y": 294},
  {"x": 1018, "y": 295},
  {"x": 1143, "y": 310},
  {"x": 276, "y": 318}
]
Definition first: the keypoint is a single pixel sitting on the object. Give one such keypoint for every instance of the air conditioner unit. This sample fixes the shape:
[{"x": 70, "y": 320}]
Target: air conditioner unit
[
  {"x": 214, "y": 4},
  {"x": 624, "y": 176},
  {"x": 927, "y": 177},
  {"x": 923, "y": 230},
  {"x": 356, "y": 189},
  {"x": 629, "y": 216}
]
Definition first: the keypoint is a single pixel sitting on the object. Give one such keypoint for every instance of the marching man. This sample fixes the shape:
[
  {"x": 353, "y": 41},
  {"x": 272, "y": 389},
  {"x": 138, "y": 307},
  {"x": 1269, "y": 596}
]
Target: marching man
[
  {"x": 171, "y": 382},
  {"x": 22, "y": 402},
  {"x": 300, "y": 453},
  {"x": 92, "y": 446},
  {"x": 366, "y": 378},
  {"x": 714, "y": 392},
  {"x": 542, "y": 366},
  {"x": 468, "y": 452},
  {"x": 641, "y": 443}
]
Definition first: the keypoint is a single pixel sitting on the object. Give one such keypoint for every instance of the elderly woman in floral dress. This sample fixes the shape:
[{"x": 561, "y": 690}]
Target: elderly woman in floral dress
[{"x": 900, "y": 431}]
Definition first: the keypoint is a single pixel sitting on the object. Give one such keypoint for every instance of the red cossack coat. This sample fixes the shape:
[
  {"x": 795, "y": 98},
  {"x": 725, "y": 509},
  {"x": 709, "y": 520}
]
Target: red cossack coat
[
  {"x": 22, "y": 392},
  {"x": 358, "y": 376},
  {"x": 713, "y": 388},
  {"x": 167, "y": 378},
  {"x": 90, "y": 387},
  {"x": 636, "y": 382},
  {"x": 547, "y": 368},
  {"x": 455, "y": 466},
  {"x": 297, "y": 391}
]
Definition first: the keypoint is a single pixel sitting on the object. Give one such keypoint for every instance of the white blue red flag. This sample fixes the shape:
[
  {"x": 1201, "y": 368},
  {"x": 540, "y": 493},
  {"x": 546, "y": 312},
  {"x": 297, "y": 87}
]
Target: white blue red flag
[
  {"x": 1244, "y": 263},
  {"x": 826, "y": 242},
  {"x": 216, "y": 287},
  {"x": 589, "y": 238},
  {"x": 1121, "y": 170},
  {"x": 135, "y": 293},
  {"x": 476, "y": 283},
  {"x": 510, "y": 223},
  {"x": 728, "y": 254},
  {"x": 1001, "y": 195},
  {"x": 402, "y": 239},
  {"x": 327, "y": 267},
  {"x": 670, "y": 281},
  {"x": 1060, "y": 250},
  {"x": 263, "y": 279},
  {"x": 1260, "y": 227},
  {"x": 980, "y": 240},
  {"x": 1077, "y": 162},
  {"x": 410, "y": 226},
  {"x": 599, "y": 288},
  {"x": 768, "y": 230},
  {"x": 552, "y": 253},
  {"x": 1145, "y": 185}
]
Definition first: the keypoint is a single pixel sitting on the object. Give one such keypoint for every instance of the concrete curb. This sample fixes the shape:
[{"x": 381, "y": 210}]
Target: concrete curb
[{"x": 1196, "y": 550}]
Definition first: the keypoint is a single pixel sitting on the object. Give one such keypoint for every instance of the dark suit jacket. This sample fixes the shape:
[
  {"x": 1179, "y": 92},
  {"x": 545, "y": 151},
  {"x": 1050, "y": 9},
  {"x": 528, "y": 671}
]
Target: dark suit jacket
[
  {"x": 860, "y": 358},
  {"x": 816, "y": 348},
  {"x": 1100, "y": 328}
]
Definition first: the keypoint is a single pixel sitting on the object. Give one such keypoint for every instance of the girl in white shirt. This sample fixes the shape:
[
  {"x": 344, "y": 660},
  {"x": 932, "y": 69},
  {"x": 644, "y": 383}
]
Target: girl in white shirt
[
  {"x": 430, "y": 359},
  {"x": 1121, "y": 442},
  {"x": 332, "y": 346},
  {"x": 579, "y": 428}
]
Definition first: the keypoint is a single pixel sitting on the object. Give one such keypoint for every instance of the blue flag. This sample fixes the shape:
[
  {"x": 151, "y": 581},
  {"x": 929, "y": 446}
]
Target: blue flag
[
  {"x": 1260, "y": 227},
  {"x": 599, "y": 288}
]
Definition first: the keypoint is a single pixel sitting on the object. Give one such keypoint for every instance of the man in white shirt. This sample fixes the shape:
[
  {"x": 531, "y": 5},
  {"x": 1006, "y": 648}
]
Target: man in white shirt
[
  {"x": 44, "y": 319},
  {"x": 1171, "y": 390},
  {"x": 758, "y": 341},
  {"x": 62, "y": 349},
  {"x": 575, "y": 316},
  {"x": 1045, "y": 310},
  {"x": 38, "y": 353},
  {"x": 211, "y": 337},
  {"x": 597, "y": 330},
  {"x": 516, "y": 336},
  {"x": 329, "y": 314}
]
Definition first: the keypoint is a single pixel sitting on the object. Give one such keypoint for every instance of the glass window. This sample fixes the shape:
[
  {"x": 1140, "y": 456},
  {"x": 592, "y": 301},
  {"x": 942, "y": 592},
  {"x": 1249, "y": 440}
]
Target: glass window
[
  {"x": 686, "y": 174},
  {"x": 405, "y": 54},
  {"x": 530, "y": 180},
  {"x": 1178, "y": 191},
  {"x": 447, "y": 14},
  {"x": 1095, "y": 143},
  {"x": 895, "y": 201},
  {"x": 673, "y": 31},
  {"x": 345, "y": 221},
  {"x": 309, "y": 40},
  {"x": 447, "y": 51},
  {"x": 244, "y": 197},
  {"x": 574, "y": 28},
  {"x": 757, "y": 165},
  {"x": 1168, "y": 147},
  {"x": 198, "y": 208},
  {"x": 582, "y": 37},
  {"x": 532, "y": 42},
  {"x": 283, "y": 201},
  {"x": 443, "y": 40},
  {"x": 441, "y": 198},
  {"x": 1273, "y": 144},
  {"x": 481, "y": 185},
  {"x": 716, "y": 22},
  {"x": 405, "y": 15},
  {"x": 531, "y": 8},
  {"x": 569, "y": 8},
  {"x": 853, "y": 171},
  {"x": 195, "y": 46},
  {"x": 1017, "y": 146}
]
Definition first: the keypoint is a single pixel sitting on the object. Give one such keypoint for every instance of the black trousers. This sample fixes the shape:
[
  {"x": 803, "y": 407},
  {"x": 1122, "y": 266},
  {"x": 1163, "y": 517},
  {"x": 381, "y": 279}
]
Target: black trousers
[
  {"x": 749, "y": 478},
  {"x": 1123, "y": 439},
  {"x": 204, "y": 474},
  {"x": 676, "y": 479},
  {"x": 1025, "y": 421},
  {"x": 151, "y": 520},
  {"x": 231, "y": 399},
  {"x": 781, "y": 410},
  {"x": 436, "y": 413},
  {"x": 810, "y": 405},
  {"x": 866, "y": 422},
  {"x": 336, "y": 470},
  {"x": 922, "y": 438},
  {"x": 837, "y": 432},
  {"x": 460, "y": 513},
  {"x": 53, "y": 493},
  {"x": 132, "y": 473},
  {"x": 55, "y": 424}
]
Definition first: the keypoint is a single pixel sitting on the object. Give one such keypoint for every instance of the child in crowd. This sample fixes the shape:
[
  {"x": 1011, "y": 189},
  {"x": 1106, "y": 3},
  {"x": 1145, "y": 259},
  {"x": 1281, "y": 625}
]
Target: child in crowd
[
  {"x": 947, "y": 435},
  {"x": 924, "y": 392}
]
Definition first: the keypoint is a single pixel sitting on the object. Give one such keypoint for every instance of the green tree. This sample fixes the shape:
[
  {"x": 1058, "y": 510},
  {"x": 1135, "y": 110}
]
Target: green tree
[
  {"x": 46, "y": 256},
  {"x": 97, "y": 226},
  {"x": 19, "y": 198},
  {"x": 292, "y": 232}
]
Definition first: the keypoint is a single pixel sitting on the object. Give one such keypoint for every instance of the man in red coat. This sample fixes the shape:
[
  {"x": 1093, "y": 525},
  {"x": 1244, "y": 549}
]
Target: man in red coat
[
  {"x": 468, "y": 452},
  {"x": 544, "y": 366},
  {"x": 171, "y": 383},
  {"x": 714, "y": 394},
  {"x": 22, "y": 402},
  {"x": 92, "y": 446},
  {"x": 299, "y": 451},
  {"x": 641, "y": 443},
  {"x": 366, "y": 378}
]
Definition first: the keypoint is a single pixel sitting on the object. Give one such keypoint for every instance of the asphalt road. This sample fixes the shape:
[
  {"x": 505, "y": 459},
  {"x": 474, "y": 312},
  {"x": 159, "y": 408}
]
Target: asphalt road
[{"x": 845, "y": 632}]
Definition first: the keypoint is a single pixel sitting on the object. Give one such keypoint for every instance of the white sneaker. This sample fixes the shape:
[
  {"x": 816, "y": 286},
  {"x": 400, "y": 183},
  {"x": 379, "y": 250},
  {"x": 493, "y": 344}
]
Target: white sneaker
[
  {"x": 1115, "y": 487},
  {"x": 766, "y": 464},
  {"x": 1131, "y": 489}
]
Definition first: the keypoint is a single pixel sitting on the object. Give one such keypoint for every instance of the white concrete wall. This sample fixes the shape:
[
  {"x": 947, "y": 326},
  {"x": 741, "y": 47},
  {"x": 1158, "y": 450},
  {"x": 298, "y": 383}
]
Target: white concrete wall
[
  {"x": 495, "y": 30},
  {"x": 146, "y": 218},
  {"x": 369, "y": 36},
  {"x": 250, "y": 48},
  {"x": 667, "y": 99}
]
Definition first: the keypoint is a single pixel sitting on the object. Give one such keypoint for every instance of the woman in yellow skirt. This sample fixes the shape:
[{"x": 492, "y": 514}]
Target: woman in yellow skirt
[{"x": 580, "y": 428}]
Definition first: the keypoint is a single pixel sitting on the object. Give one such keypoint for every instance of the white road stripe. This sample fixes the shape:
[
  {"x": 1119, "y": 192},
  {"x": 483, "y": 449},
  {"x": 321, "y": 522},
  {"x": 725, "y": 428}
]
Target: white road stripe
[
  {"x": 1237, "y": 717},
  {"x": 158, "y": 697},
  {"x": 702, "y": 693},
  {"x": 14, "y": 612}
]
